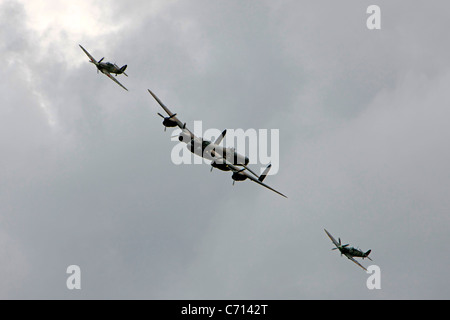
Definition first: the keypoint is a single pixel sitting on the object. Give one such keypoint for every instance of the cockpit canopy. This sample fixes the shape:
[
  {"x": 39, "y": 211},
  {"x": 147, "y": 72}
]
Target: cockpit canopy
[{"x": 205, "y": 144}]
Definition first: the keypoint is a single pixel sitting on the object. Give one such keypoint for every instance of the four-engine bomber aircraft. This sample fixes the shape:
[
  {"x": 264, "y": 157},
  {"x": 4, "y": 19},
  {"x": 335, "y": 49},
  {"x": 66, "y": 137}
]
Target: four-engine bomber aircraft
[
  {"x": 349, "y": 252},
  {"x": 107, "y": 68},
  {"x": 225, "y": 159}
]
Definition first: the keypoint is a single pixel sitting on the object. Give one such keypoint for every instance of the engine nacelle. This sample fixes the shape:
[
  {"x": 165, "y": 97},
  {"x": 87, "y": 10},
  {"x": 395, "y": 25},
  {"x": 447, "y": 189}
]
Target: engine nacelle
[
  {"x": 168, "y": 123},
  {"x": 220, "y": 165},
  {"x": 238, "y": 176}
]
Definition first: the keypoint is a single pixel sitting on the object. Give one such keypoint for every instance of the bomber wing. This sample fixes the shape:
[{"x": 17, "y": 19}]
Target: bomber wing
[
  {"x": 172, "y": 115},
  {"x": 250, "y": 175}
]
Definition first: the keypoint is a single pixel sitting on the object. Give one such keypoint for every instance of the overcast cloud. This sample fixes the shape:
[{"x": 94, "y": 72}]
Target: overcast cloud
[{"x": 86, "y": 176}]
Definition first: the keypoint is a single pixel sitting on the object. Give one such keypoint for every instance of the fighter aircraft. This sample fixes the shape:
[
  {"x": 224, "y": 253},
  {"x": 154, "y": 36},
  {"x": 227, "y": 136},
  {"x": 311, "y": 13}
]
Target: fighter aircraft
[
  {"x": 349, "y": 252},
  {"x": 107, "y": 68},
  {"x": 225, "y": 159}
]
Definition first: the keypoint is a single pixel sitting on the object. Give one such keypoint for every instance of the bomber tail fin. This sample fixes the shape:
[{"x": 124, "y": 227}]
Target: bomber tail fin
[
  {"x": 366, "y": 255},
  {"x": 220, "y": 138},
  {"x": 264, "y": 174}
]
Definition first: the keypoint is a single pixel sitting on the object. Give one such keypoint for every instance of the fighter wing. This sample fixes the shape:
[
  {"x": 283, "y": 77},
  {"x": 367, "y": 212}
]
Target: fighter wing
[
  {"x": 87, "y": 53},
  {"x": 332, "y": 239},
  {"x": 113, "y": 79},
  {"x": 180, "y": 124},
  {"x": 352, "y": 259}
]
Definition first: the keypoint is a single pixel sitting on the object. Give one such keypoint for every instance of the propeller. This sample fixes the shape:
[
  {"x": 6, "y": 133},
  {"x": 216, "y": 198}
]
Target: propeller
[
  {"x": 237, "y": 172},
  {"x": 98, "y": 62},
  {"x": 212, "y": 166},
  {"x": 221, "y": 137},
  {"x": 340, "y": 245},
  {"x": 167, "y": 119},
  {"x": 174, "y": 115}
]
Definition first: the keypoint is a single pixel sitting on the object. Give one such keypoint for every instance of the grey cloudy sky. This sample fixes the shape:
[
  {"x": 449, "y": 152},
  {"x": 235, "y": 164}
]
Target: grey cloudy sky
[{"x": 86, "y": 176}]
